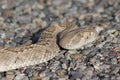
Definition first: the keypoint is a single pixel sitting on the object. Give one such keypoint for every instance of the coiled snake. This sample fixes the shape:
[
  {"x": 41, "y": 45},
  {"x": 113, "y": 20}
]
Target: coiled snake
[{"x": 69, "y": 37}]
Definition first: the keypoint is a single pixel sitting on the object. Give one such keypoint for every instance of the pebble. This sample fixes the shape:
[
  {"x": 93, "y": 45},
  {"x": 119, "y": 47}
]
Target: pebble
[
  {"x": 29, "y": 72},
  {"x": 114, "y": 60},
  {"x": 75, "y": 74},
  {"x": 21, "y": 77},
  {"x": 10, "y": 75},
  {"x": 115, "y": 70},
  {"x": 117, "y": 48},
  {"x": 2, "y": 34},
  {"x": 61, "y": 73},
  {"x": 10, "y": 4},
  {"x": 88, "y": 73},
  {"x": 3, "y": 78},
  {"x": 45, "y": 75},
  {"x": 64, "y": 66},
  {"x": 76, "y": 56},
  {"x": 54, "y": 66}
]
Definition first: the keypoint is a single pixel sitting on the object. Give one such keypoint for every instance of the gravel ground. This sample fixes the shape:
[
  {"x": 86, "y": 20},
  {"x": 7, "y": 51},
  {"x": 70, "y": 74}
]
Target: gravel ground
[{"x": 19, "y": 19}]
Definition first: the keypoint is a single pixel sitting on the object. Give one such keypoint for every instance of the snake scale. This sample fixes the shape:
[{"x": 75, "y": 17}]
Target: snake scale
[{"x": 68, "y": 37}]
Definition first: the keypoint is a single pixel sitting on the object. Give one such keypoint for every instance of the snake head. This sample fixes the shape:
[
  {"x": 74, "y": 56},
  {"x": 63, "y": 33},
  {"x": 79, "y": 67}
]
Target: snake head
[{"x": 77, "y": 38}]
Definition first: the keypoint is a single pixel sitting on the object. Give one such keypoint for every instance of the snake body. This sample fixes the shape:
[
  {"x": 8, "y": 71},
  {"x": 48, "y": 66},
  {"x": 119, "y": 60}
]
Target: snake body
[{"x": 47, "y": 47}]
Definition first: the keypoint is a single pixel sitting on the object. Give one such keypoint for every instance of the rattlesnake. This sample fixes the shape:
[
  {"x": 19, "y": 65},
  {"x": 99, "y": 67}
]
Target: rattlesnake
[{"x": 67, "y": 37}]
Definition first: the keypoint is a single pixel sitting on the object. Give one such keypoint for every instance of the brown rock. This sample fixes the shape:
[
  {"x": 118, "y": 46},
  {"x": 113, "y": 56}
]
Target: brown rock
[
  {"x": 76, "y": 56},
  {"x": 10, "y": 75},
  {"x": 61, "y": 73}
]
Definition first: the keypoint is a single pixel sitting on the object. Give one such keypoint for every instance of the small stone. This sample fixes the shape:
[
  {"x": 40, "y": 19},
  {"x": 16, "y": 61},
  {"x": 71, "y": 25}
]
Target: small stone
[
  {"x": 64, "y": 65},
  {"x": 105, "y": 67},
  {"x": 93, "y": 60},
  {"x": 111, "y": 31},
  {"x": 21, "y": 77},
  {"x": 54, "y": 66},
  {"x": 88, "y": 73},
  {"x": 2, "y": 35},
  {"x": 10, "y": 75},
  {"x": 118, "y": 78},
  {"x": 27, "y": 9},
  {"x": 1, "y": 42},
  {"x": 65, "y": 78},
  {"x": 115, "y": 40},
  {"x": 48, "y": 75},
  {"x": 117, "y": 48},
  {"x": 75, "y": 74},
  {"x": 115, "y": 70},
  {"x": 35, "y": 76},
  {"x": 76, "y": 56},
  {"x": 29, "y": 71},
  {"x": 113, "y": 53},
  {"x": 114, "y": 60},
  {"x": 97, "y": 67},
  {"x": 100, "y": 9},
  {"x": 61, "y": 73},
  {"x": 7, "y": 14},
  {"x": 17, "y": 72},
  {"x": 42, "y": 15},
  {"x": 3, "y": 78},
  {"x": 40, "y": 23}
]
